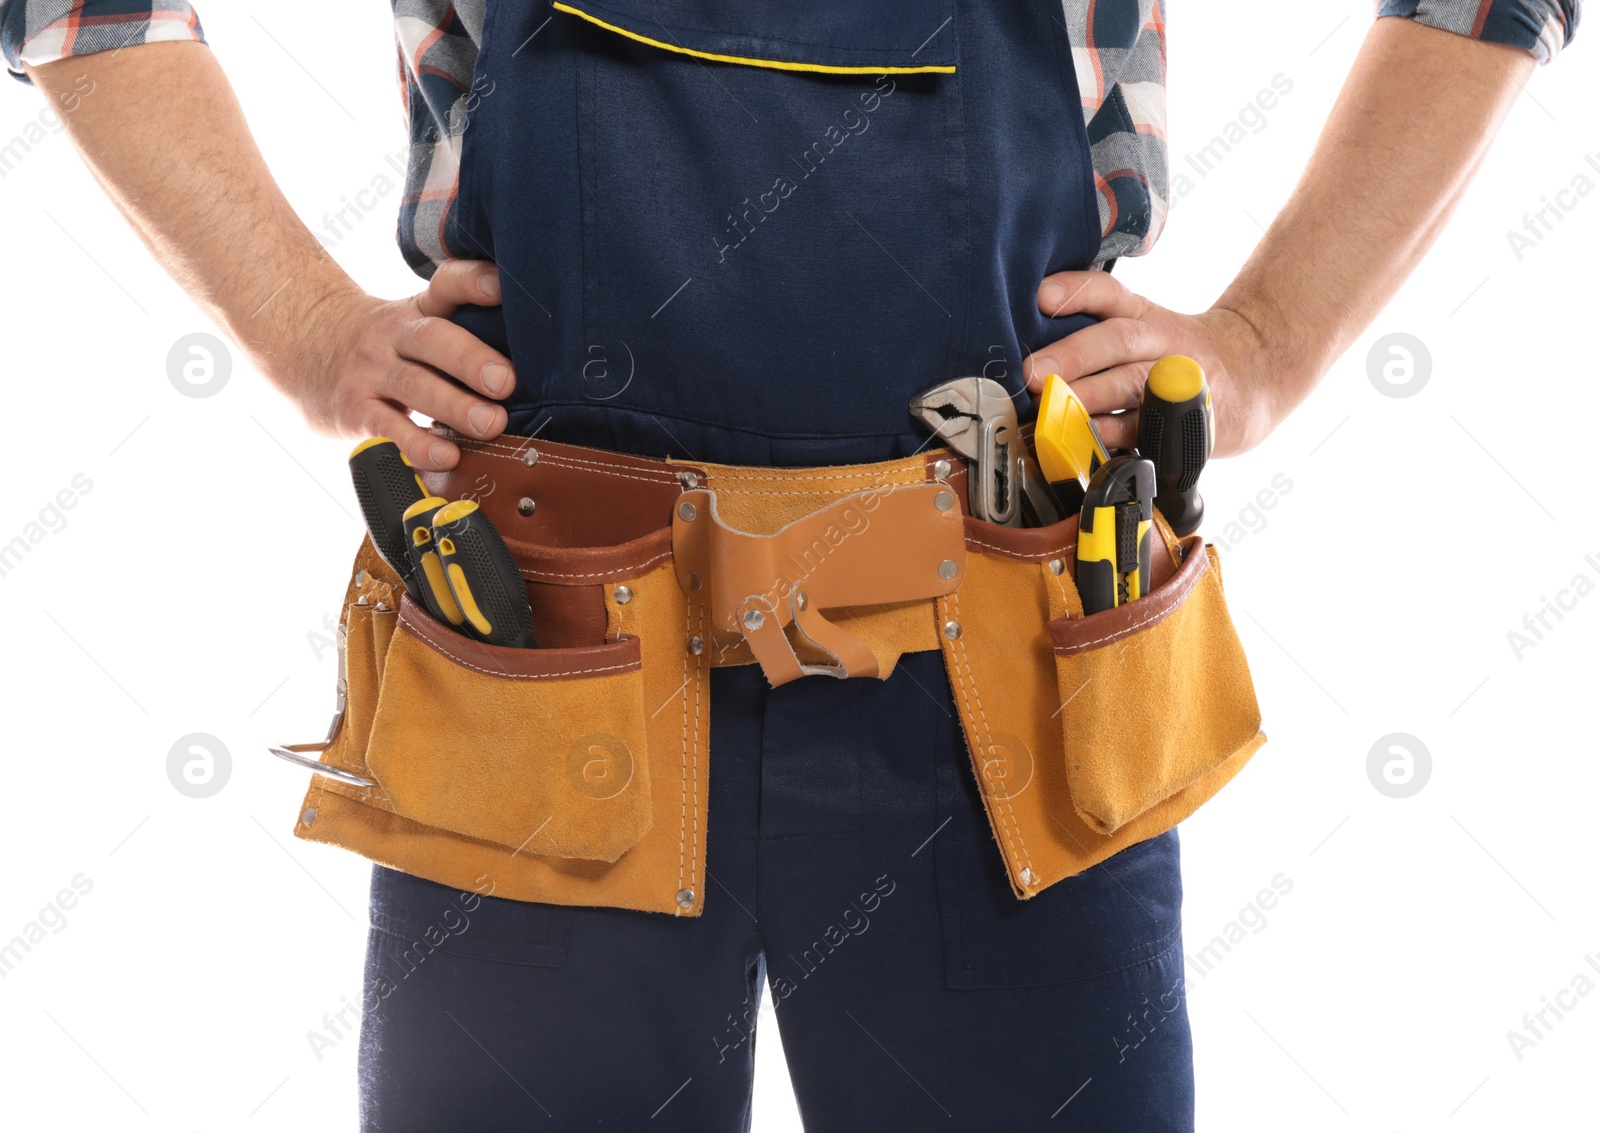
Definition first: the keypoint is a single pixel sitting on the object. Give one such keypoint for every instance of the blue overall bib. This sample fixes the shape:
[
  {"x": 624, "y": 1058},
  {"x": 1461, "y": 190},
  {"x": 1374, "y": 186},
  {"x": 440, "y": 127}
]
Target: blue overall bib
[{"x": 761, "y": 265}]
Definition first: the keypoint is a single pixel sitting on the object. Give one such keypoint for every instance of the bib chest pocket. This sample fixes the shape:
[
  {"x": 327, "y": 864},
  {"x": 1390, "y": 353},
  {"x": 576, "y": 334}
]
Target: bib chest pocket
[{"x": 735, "y": 160}]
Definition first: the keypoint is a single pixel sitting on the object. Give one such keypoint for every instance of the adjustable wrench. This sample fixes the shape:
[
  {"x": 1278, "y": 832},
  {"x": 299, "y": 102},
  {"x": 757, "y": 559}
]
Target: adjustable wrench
[{"x": 977, "y": 419}]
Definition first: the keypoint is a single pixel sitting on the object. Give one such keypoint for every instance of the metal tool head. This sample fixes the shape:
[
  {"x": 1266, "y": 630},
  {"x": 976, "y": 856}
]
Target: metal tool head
[{"x": 956, "y": 410}]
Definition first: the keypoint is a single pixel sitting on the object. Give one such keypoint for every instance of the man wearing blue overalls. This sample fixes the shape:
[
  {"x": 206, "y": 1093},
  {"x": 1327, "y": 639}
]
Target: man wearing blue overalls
[{"x": 748, "y": 234}]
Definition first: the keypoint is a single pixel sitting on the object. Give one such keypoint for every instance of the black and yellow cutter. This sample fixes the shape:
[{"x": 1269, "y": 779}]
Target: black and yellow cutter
[
  {"x": 1114, "y": 534},
  {"x": 483, "y": 576}
]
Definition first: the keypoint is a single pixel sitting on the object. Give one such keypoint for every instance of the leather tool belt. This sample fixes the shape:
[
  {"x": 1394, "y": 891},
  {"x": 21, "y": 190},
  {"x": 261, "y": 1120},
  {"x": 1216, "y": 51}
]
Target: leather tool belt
[{"x": 576, "y": 773}]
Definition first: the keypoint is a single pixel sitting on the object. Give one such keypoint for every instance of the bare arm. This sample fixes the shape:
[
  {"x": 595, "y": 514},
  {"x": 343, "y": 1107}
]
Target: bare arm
[
  {"x": 165, "y": 137},
  {"x": 1416, "y": 116}
]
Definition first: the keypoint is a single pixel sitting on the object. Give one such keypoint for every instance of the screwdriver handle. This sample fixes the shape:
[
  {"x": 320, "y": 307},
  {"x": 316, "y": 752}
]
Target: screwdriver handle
[
  {"x": 483, "y": 576},
  {"x": 423, "y": 552},
  {"x": 1177, "y": 431},
  {"x": 386, "y": 485}
]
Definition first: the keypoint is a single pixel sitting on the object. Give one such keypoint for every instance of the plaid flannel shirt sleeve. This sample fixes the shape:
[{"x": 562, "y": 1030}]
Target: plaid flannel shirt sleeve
[
  {"x": 1540, "y": 27},
  {"x": 42, "y": 31}
]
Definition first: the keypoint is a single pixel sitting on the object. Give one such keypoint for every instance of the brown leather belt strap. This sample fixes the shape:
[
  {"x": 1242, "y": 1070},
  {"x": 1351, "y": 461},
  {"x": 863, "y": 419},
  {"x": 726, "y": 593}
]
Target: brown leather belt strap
[
  {"x": 558, "y": 495},
  {"x": 770, "y": 548}
]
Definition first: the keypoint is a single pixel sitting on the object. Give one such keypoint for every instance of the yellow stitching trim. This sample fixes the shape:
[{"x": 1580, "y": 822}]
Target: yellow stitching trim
[{"x": 771, "y": 64}]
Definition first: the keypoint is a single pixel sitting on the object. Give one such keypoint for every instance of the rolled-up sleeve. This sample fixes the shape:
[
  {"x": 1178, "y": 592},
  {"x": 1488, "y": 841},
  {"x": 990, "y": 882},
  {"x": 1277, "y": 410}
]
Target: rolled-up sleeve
[
  {"x": 1540, "y": 27},
  {"x": 41, "y": 31}
]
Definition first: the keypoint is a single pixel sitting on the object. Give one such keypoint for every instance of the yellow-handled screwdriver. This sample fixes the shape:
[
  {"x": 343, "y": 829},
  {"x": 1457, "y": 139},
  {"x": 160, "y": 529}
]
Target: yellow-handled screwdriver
[
  {"x": 1067, "y": 443},
  {"x": 386, "y": 485},
  {"x": 1177, "y": 431},
  {"x": 424, "y": 554},
  {"x": 483, "y": 576},
  {"x": 1114, "y": 534}
]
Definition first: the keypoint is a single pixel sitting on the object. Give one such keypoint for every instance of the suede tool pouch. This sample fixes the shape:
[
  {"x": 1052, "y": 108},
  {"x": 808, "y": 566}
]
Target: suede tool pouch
[
  {"x": 1156, "y": 694},
  {"x": 538, "y": 750}
]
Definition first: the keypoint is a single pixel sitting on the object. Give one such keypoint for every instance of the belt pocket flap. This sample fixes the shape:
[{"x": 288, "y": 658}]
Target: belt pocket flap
[
  {"x": 538, "y": 750},
  {"x": 860, "y": 38},
  {"x": 1156, "y": 694}
]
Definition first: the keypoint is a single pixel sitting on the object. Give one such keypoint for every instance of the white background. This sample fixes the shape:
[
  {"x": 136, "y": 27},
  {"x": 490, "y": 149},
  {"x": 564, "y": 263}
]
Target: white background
[{"x": 1374, "y": 597}]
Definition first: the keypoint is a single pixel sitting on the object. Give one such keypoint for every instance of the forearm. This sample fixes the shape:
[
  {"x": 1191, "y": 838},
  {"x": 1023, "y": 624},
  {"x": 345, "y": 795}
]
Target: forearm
[
  {"x": 165, "y": 137},
  {"x": 1414, "y": 120}
]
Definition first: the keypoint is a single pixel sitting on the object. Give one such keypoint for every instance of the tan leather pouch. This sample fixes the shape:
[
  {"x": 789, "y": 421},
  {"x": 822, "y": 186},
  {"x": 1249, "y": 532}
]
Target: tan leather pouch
[
  {"x": 1085, "y": 749},
  {"x": 574, "y": 773},
  {"x": 1155, "y": 695},
  {"x": 541, "y": 751}
]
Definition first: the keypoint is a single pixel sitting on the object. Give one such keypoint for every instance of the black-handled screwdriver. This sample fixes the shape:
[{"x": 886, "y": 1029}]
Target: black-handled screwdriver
[
  {"x": 483, "y": 576},
  {"x": 386, "y": 485},
  {"x": 1177, "y": 431},
  {"x": 424, "y": 555}
]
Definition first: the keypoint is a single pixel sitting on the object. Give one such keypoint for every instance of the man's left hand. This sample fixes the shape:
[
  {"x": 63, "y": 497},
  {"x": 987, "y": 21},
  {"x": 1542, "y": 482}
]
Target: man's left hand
[{"x": 1107, "y": 363}]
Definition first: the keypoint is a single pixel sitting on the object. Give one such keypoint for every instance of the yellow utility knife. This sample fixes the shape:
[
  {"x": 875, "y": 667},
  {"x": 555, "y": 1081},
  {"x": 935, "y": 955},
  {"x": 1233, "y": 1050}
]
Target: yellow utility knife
[{"x": 1067, "y": 444}]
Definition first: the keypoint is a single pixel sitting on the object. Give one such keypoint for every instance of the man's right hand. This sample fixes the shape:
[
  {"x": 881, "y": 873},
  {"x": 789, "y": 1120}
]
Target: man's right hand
[
  {"x": 163, "y": 132},
  {"x": 362, "y": 363}
]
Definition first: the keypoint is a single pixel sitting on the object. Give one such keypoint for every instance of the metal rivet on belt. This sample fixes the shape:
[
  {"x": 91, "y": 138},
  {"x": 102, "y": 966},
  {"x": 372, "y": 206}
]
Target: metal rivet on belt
[
  {"x": 686, "y": 511},
  {"x": 947, "y": 569},
  {"x": 308, "y": 816},
  {"x": 952, "y": 629},
  {"x": 383, "y": 607},
  {"x": 1058, "y": 566},
  {"x": 624, "y": 595},
  {"x": 800, "y": 600},
  {"x": 695, "y": 581},
  {"x": 689, "y": 481},
  {"x": 697, "y": 645},
  {"x": 944, "y": 501},
  {"x": 530, "y": 457},
  {"x": 686, "y": 898},
  {"x": 361, "y": 578},
  {"x": 1026, "y": 876},
  {"x": 754, "y": 619},
  {"x": 525, "y": 505},
  {"x": 362, "y": 600},
  {"x": 941, "y": 469}
]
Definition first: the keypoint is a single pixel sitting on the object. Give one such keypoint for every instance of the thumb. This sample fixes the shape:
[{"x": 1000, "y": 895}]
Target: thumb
[{"x": 460, "y": 282}]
